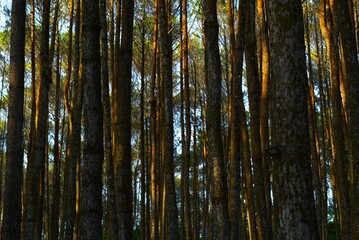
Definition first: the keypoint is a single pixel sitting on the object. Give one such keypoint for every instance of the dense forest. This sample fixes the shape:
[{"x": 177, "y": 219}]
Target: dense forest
[{"x": 179, "y": 119}]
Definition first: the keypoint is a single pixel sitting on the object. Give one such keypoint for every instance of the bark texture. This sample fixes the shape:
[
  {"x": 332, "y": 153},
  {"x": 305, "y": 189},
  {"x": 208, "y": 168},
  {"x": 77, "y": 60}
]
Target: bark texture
[
  {"x": 218, "y": 193},
  {"x": 292, "y": 172},
  {"x": 11, "y": 215},
  {"x": 122, "y": 124},
  {"x": 91, "y": 167},
  {"x": 165, "y": 41}
]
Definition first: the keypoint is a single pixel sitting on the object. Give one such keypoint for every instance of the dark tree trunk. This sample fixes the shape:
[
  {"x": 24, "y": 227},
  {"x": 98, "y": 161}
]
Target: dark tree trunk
[
  {"x": 165, "y": 41},
  {"x": 122, "y": 123},
  {"x": 291, "y": 167},
  {"x": 11, "y": 215},
  {"x": 91, "y": 167}
]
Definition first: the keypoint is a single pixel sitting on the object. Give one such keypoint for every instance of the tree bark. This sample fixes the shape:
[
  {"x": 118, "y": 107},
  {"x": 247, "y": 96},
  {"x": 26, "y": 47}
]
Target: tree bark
[
  {"x": 165, "y": 39},
  {"x": 122, "y": 123},
  {"x": 350, "y": 69},
  {"x": 292, "y": 172},
  {"x": 11, "y": 208},
  {"x": 33, "y": 197},
  {"x": 218, "y": 193},
  {"x": 91, "y": 169}
]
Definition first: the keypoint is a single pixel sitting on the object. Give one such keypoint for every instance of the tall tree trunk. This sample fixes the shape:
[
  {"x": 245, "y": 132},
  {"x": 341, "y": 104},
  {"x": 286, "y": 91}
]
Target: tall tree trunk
[
  {"x": 264, "y": 113},
  {"x": 323, "y": 129},
  {"x": 330, "y": 33},
  {"x": 314, "y": 143},
  {"x": 91, "y": 169},
  {"x": 55, "y": 200},
  {"x": 187, "y": 156},
  {"x": 218, "y": 193},
  {"x": 350, "y": 69},
  {"x": 75, "y": 113},
  {"x": 122, "y": 123},
  {"x": 167, "y": 143},
  {"x": 153, "y": 124},
  {"x": 196, "y": 202},
  {"x": 254, "y": 95},
  {"x": 112, "y": 221},
  {"x": 11, "y": 215},
  {"x": 292, "y": 172},
  {"x": 142, "y": 126},
  {"x": 37, "y": 156},
  {"x": 235, "y": 180}
]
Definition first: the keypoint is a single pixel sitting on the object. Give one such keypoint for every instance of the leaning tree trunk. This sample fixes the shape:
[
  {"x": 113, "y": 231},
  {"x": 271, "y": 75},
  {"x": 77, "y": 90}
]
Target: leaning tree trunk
[{"x": 351, "y": 76}]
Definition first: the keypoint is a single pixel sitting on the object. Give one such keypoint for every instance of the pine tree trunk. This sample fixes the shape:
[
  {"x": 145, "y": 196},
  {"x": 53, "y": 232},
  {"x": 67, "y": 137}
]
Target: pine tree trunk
[
  {"x": 291, "y": 167},
  {"x": 350, "y": 70},
  {"x": 330, "y": 33},
  {"x": 235, "y": 200},
  {"x": 33, "y": 197},
  {"x": 218, "y": 193},
  {"x": 91, "y": 168},
  {"x": 75, "y": 114},
  {"x": 167, "y": 144},
  {"x": 11, "y": 214},
  {"x": 112, "y": 221},
  {"x": 122, "y": 123}
]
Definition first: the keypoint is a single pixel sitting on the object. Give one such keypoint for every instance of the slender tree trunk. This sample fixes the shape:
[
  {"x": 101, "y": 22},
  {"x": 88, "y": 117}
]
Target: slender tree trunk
[
  {"x": 220, "y": 222},
  {"x": 187, "y": 156},
  {"x": 153, "y": 124},
  {"x": 196, "y": 207},
  {"x": 11, "y": 209},
  {"x": 314, "y": 143},
  {"x": 112, "y": 221},
  {"x": 167, "y": 144},
  {"x": 235, "y": 201},
  {"x": 142, "y": 127},
  {"x": 350, "y": 70},
  {"x": 37, "y": 156},
  {"x": 122, "y": 123},
  {"x": 264, "y": 113},
  {"x": 75, "y": 114},
  {"x": 330, "y": 33},
  {"x": 55, "y": 201}
]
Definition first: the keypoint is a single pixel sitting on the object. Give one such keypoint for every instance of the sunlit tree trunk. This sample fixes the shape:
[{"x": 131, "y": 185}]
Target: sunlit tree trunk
[
  {"x": 330, "y": 32},
  {"x": 153, "y": 124},
  {"x": 350, "y": 70},
  {"x": 235, "y": 180},
  {"x": 264, "y": 109},
  {"x": 254, "y": 95},
  {"x": 314, "y": 142},
  {"x": 36, "y": 163}
]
